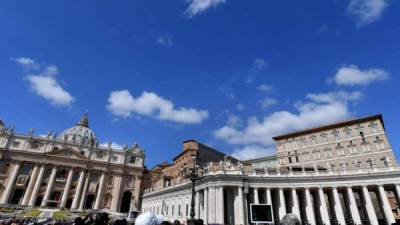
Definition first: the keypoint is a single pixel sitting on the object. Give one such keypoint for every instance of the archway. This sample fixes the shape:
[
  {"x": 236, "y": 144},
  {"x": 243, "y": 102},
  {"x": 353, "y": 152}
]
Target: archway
[
  {"x": 89, "y": 201},
  {"x": 16, "y": 197},
  {"x": 126, "y": 202},
  {"x": 69, "y": 203},
  {"x": 38, "y": 201}
]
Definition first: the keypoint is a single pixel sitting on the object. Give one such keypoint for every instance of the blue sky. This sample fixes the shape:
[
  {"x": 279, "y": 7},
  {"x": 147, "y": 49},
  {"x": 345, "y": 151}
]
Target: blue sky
[{"x": 230, "y": 74}]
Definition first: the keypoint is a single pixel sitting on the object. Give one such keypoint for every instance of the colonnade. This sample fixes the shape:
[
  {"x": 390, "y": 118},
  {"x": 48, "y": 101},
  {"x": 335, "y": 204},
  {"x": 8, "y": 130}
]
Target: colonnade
[
  {"x": 329, "y": 203},
  {"x": 314, "y": 205},
  {"x": 36, "y": 179}
]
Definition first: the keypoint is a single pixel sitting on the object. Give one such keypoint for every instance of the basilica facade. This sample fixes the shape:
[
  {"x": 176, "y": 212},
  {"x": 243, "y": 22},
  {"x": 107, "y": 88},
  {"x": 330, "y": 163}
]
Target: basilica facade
[{"x": 69, "y": 171}]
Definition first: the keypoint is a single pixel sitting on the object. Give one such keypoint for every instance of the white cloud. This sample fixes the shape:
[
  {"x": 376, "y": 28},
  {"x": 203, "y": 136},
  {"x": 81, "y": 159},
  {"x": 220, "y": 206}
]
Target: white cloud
[
  {"x": 26, "y": 62},
  {"x": 320, "y": 110},
  {"x": 239, "y": 106},
  {"x": 351, "y": 75},
  {"x": 234, "y": 121},
  {"x": 331, "y": 97},
  {"x": 44, "y": 82},
  {"x": 165, "y": 40},
  {"x": 259, "y": 64},
  {"x": 268, "y": 102},
  {"x": 252, "y": 152},
  {"x": 366, "y": 11},
  {"x": 265, "y": 88},
  {"x": 255, "y": 69},
  {"x": 113, "y": 145},
  {"x": 122, "y": 104},
  {"x": 199, "y": 6},
  {"x": 227, "y": 91}
]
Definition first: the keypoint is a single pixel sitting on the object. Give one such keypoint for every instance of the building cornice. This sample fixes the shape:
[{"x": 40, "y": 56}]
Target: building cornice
[{"x": 330, "y": 126}]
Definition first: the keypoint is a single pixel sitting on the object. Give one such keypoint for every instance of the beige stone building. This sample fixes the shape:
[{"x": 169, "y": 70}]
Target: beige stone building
[
  {"x": 352, "y": 144},
  {"x": 356, "y": 182},
  {"x": 69, "y": 171},
  {"x": 165, "y": 174}
]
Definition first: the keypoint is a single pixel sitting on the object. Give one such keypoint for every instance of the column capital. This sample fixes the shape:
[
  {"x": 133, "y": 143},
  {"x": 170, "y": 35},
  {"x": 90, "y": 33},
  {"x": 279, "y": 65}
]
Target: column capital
[{"x": 17, "y": 161}]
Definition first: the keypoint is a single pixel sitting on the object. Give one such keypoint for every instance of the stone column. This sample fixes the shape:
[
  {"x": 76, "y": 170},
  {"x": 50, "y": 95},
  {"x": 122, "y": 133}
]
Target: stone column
[
  {"x": 49, "y": 187},
  {"x": 241, "y": 206},
  {"x": 268, "y": 196},
  {"x": 282, "y": 207},
  {"x": 84, "y": 192},
  {"x": 355, "y": 215},
  {"x": 220, "y": 206},
  {"x": 64, "y": 198},
  {"x": 211, "y": 205},
  {"x": 309, "y": 207},
  {"x": 36, "y": 188},
  {"x": 386, "y": 206},
  {"x": 295, "y": 203},
  {"x": 323, "y": 208},
  {"x": 397, "y": 187},
  {"x": 369, "y": 207},
  {"x": 338, "y": 207},
  {"x": 11, "y": 182},
  {"x": 100, "y": 192},
  {"x": 116, "y": 193},
  {"x": 28, "y": 191},
  {"x": 256, "y": 200},
  {"x": 197, "y": 205},
  {"x": 205, "y": 205},
  {"x": 78, "y": 189}
]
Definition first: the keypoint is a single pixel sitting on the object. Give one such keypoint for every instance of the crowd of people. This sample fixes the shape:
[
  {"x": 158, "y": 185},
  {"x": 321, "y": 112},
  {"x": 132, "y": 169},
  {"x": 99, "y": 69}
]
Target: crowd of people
[
  {"x": 90, "y": 219},
  {"x": 103, "y": 219}
]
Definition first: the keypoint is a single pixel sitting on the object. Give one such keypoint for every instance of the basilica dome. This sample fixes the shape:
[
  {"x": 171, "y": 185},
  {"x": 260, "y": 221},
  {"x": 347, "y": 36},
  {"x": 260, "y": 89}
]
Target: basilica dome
[{"x": 80, "y": 134}]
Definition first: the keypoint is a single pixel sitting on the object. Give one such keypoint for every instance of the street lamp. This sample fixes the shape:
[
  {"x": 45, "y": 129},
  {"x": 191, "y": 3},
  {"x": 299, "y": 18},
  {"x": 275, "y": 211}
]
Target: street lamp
[{"x": 193, "y": 176}]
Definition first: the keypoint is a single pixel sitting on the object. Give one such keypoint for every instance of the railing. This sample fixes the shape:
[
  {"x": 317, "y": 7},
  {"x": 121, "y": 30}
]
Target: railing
[
  {"x": 252, "y": 172},
  {"x": 277, "y": 173},
  {"x": 17, "y": 207}
]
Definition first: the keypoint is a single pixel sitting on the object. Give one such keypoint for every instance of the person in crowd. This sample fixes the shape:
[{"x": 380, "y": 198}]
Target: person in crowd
[
  {"x": 177, "y": 222},
  {"x": 290, "y": 219}
]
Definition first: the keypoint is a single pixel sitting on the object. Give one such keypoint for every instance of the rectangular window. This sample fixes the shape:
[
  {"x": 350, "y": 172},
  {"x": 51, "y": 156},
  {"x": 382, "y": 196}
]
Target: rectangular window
[
  {"x": 35, "y": 145},
  {"x": 365, "y": 148},
  {"x": 352, "y": 150},
  {"x": 324, "y": 138},
  {"x": 132, "y": 159},
  {"x": 348, "y": 133},
  {"x": 379, "y": 145},
  {"x": 4, "y": 168},
  {"x": 16, "y": 144},
  {"x": 328, "y": 153},
  {"x": 373, "y": 127},
  {"x": 99, "y": 155}
]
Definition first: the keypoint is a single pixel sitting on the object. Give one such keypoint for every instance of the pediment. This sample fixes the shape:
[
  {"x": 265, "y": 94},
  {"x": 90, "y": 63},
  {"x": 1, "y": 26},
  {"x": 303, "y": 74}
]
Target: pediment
[{"x": 68, "y": 153}]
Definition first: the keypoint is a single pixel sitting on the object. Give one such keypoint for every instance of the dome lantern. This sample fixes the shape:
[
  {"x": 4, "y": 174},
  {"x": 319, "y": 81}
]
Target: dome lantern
[
  {"x": 80, "y": 134},
  {"x": 84, "y": 121}
]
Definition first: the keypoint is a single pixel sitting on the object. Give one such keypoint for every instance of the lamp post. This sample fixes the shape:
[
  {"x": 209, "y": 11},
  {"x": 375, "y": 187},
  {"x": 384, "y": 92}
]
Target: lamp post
[{"x": 193, "y": 176}]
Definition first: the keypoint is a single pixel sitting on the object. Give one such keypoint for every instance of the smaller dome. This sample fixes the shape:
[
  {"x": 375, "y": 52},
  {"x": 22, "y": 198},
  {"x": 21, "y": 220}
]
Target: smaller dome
[{"x": 80, "y": 133}]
